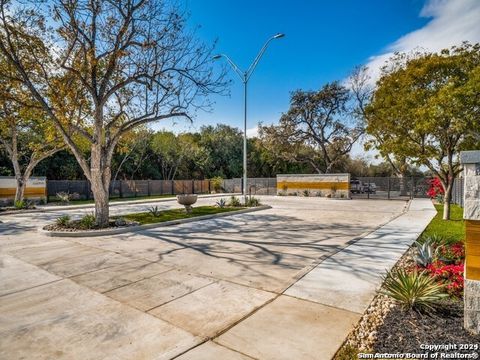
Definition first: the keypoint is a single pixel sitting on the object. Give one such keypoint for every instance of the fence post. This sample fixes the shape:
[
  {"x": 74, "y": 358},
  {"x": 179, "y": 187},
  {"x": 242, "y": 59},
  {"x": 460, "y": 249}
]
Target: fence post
[
  {"x": 193, "y": 186},
  {"x": 412, "y": 195},
  {"x": 388, "y": 188},
  {"x": 148, "y": 188}
]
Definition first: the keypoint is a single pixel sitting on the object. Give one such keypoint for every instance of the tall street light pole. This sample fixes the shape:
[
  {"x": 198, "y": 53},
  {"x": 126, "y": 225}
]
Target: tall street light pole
[{"x": 245, "y": 76}]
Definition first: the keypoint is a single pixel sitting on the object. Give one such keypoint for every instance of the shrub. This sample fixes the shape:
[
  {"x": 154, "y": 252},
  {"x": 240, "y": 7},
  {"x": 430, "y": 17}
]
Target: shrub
[
  {"x": 221, "y": 203},
  {"x": 436, "y": 190},
  {"x": 63, "y": 220},
  {"x": 120, "y": 221},
  {"x": 425, "y": 254},
  {"x": 154, "y": 211},
  {"x": 449, "y": 276},
  {"x": 19, "y": 204},
  {"x": 252, "y": 202},
  {"x": 452, "y": 254},
  {"x": 64, "y": 197},
  {"x": 413, "y": 290},
  {"x": 24, "y": 204},
  {"x": 217, "y": 183},
  {"x": 234, "y": 201},
  {"x": 87, "y": 221},
  {"x": 306, "y": 192}
]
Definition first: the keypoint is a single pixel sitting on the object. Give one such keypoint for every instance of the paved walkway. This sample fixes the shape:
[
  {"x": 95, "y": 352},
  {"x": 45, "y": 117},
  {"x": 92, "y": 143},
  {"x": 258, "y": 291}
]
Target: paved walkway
[{"x": 240, "y": 287}]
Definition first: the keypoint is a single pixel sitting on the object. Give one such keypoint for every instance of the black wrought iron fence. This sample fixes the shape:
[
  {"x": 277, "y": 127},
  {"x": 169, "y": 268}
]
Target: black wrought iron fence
[
  {"x": 81, "y": 190},
  {"x": 371, "y": 187}
]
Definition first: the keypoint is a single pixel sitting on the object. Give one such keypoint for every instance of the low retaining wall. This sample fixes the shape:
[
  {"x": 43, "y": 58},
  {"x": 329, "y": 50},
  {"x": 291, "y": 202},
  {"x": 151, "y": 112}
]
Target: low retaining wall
[
  {"x": 326, "y": 185},
  {"x": 36, "y": 188}
]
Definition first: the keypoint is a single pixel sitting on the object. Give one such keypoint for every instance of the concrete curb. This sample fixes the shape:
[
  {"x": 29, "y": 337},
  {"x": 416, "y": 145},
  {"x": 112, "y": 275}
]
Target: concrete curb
[
  {"x": 115, "y": 203},
  {"x": 129, "y": 229}
]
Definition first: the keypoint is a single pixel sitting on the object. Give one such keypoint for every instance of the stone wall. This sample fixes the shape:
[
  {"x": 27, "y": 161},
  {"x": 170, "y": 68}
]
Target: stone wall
[
  {"x": 324, "y": 185},
  {"x": 471, "y": 214}
]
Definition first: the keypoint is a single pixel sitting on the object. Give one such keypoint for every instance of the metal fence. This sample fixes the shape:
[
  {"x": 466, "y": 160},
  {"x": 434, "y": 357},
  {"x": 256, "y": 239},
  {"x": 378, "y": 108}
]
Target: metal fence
[
  {"x": 457, "y": 191},
  {"x": 81, "y": 190},
  {"x": 373, "y": 187}
]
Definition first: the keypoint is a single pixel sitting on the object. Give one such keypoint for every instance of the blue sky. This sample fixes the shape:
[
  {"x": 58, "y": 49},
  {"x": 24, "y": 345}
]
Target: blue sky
[{"x": 324, "y": 41}]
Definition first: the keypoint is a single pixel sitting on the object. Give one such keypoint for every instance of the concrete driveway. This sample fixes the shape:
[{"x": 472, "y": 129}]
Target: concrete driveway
[{"x": 177, "y": 291}]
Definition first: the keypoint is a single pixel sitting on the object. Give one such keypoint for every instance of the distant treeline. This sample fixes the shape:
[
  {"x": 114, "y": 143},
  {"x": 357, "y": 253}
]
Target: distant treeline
[{"x": 213, "y": 151}]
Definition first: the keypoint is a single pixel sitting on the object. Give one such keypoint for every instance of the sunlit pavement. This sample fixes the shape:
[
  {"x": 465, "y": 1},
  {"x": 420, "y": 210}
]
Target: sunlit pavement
[{"x": 259, "y": 285}]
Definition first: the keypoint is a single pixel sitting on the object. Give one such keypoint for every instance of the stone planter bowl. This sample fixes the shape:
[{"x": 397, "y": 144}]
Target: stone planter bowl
[{"x": 187, "y": 200}]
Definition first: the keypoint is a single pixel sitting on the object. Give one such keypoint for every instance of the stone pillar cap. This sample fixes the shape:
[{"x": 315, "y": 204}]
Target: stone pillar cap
[{"x": 470, "y": 157}]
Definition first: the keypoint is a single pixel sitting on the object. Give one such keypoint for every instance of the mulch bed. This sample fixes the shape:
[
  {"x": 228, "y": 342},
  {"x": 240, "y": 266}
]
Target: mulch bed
[
  {"x": 74, "y": 227},
  {"x": 405, "y": 332}
]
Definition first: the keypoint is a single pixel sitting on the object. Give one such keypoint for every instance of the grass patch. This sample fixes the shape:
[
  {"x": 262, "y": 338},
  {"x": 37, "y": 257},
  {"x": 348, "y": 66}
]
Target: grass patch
[
  {"x": 176, "y": 214},
  {"x": 452, "y": 229}
]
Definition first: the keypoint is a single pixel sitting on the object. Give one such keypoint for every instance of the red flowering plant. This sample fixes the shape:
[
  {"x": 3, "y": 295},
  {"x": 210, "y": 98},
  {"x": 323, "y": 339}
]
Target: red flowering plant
[
  {"x": 451, "y": 276},
  {"x": 452, "y": 254},
  {"x": 435, "y": 190}
]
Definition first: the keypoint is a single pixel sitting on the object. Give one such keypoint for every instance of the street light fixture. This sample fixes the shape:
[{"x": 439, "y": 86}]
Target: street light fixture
[{"x": 245, "y": 76}]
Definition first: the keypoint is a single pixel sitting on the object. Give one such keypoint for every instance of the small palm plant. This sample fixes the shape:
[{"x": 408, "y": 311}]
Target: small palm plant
[
  {"x": 413, "y": 290},
  {"x": 154, "y": 211}
]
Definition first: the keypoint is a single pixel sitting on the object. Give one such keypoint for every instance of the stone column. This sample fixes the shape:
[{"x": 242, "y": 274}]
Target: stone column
[{"x": 471, "y": 214}]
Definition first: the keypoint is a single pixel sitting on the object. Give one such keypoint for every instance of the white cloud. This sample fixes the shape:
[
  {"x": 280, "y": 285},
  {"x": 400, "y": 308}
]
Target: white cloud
[
  {"x": 452, "y": 22},
  {"x": 252, "y": 132}
]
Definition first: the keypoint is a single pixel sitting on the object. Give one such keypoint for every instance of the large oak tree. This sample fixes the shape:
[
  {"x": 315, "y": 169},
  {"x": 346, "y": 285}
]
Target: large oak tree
[
  {"x": 133, "y": 60},
  {"x": 319, "y": 129}
]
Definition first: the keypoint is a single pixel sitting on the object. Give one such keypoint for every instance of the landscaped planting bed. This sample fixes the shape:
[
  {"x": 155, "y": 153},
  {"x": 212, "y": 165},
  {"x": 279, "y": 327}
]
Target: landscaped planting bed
[
  {"x": 153, "y": 216},
  {"x": 421, "y": 300}
]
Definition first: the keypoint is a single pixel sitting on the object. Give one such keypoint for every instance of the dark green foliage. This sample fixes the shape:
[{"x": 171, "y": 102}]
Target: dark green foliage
[
  {"x": 413, "y": 290},
  {"x": 234, "y": 202},
  {"x": 87, "y": 221},
  {"x": 63, "y": 220}
]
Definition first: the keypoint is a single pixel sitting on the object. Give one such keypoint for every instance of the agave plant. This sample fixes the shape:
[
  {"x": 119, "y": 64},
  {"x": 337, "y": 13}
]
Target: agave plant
[
  {"x": 154, "y": 211},
  {"x": 221, "y": 203},
  {"x": 425, "y": 254},
  {"x": 413, "y": 290}
]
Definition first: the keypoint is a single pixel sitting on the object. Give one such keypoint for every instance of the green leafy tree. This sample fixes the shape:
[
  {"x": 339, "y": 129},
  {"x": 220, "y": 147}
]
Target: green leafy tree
[
  {"x": 223, "y": 144},
  {"x": 319, "y": 128},
  {"x": 426, "y": 108},
  {"x": 26, "y": 135}
]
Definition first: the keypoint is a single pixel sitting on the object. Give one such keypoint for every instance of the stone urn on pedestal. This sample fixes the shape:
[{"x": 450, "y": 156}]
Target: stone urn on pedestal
[{"x": 187, "y": 200}]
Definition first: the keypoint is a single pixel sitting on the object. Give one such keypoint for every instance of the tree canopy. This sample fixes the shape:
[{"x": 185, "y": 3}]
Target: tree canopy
[{"x": 426, "y": 108}]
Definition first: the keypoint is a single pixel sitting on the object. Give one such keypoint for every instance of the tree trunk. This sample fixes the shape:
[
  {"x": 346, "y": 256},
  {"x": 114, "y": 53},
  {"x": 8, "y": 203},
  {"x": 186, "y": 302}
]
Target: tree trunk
[
  {"x": 100, "y": 177},
  {"x": 446, "y": 200},
  {"x": 101, "y": 197},
  {"x": 20, "y": 191}
]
